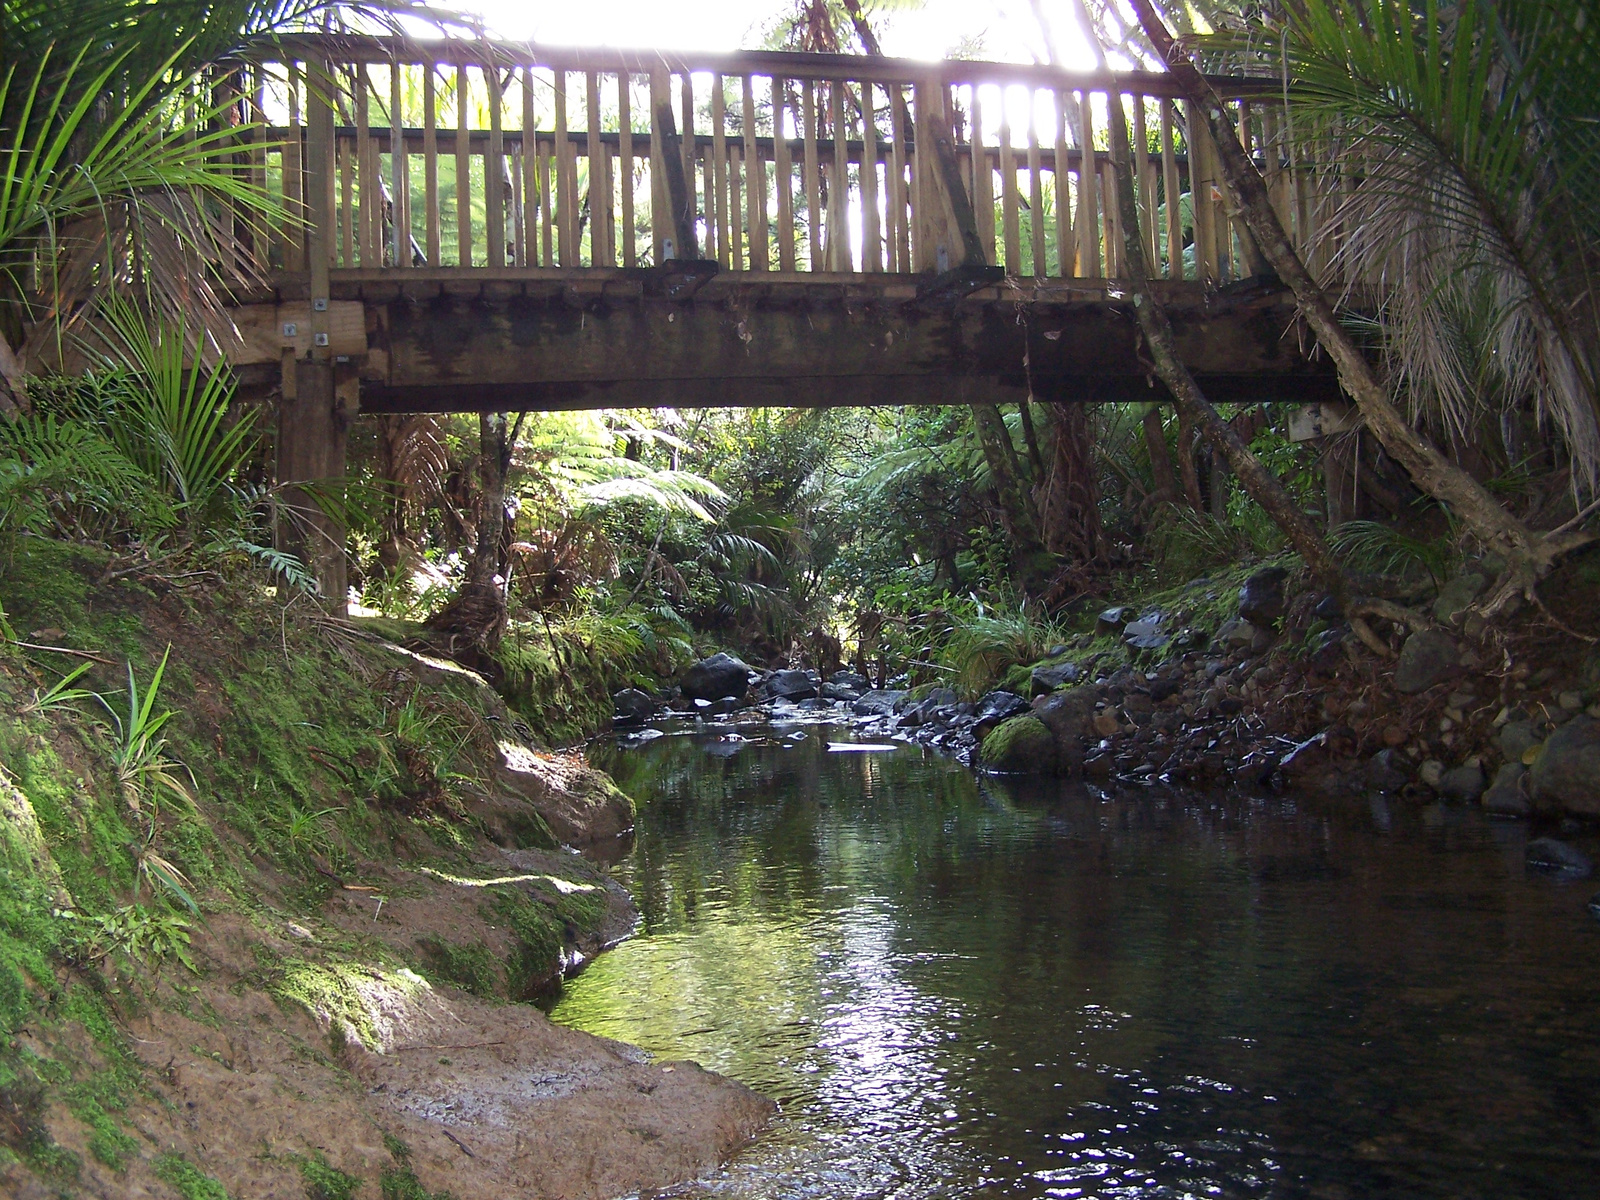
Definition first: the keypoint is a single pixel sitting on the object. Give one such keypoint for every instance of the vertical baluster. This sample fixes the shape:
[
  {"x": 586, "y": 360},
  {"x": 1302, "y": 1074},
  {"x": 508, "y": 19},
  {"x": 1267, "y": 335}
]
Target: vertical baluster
[
  {"x": 463, "y": 170},
  {"x": 1008, "y": 190},
  {"x": 1205, "y": 265},
  {"x": 400, "y": 166},
  {"x": 494, "y": 173},
  {"x": 755, "y": 178},
  {"x": 545, "y": 151},
  {"x": 982, "y": 178},
  {"x": 690, "y": 153},
  {"x": 900, "y": 224},
  {"x": 602, "y": 247},
  {"x": 1066, "y": 249},
  {"x": 1146, "y": 183},
  {"x": 346, "y": 171},
  {"x": 1088, "y": 191},
  {"x": 660, "y": 199},
  {"x": 430, "y": 159},
  {"x": 531, "y": 206},
  {"x": 1169, "y": 180},
  {"x": 1110, "y": 210},
  {"x": 783, "y": 176},
  {"x": 565, "y": 181},
  {"x": 871, "y": 239},
  {"x": 838, "y": 243},
  {"x": 317, "y": 182},
  {"x": 719, "y": 174},
  {"x": 516, "y": 199},
  {"x": 625, "y": 154},
  {"x": 735, "y": 208},
  {"x": 366, "y": 177},
  {"x": 294, "y": 193},
  {"x": 812, "y": 171},
  {"x": 1036, "y": 221}
]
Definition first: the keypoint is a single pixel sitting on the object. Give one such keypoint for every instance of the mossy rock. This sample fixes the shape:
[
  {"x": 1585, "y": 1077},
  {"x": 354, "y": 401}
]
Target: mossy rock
[{"x": 1021, "y": 746}]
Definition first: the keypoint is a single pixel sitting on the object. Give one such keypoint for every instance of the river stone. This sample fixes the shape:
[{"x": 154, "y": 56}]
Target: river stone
[
  {"x": 853, "y": 680},
  {"x": 1429, "y": 657},
  {"x": 918, "y": 713},
  {"x": 1145, "y": 633},
  {"x": 1567, "y": 774},
  {"x": 879, "y": 702},
  {"x": 1112, "y": 620},
  {"x": 793, "y": 685},
  {"x": 1387, "y": 771},
  {"x": 1236, "y": 633},
  {"x": 1505, "y": 797},
  {"x": 1044, "y": 680},
  {"x": 718, "y": 677},
  {"x": 996, "y": 707},
  {"x": 632, "y": 707},
  {"x": 838, "y": 691},
  {"x": 1021, "y": 746},
  {"x": 1261, "y": 597},
  {"x": 1518, "y": 737},
  {"x": 1464, "y": 783},
  {"x": 1328, "y": 608},
  {"x": 1549, "y": 854},
  {"x": 1456, "y": 595}
]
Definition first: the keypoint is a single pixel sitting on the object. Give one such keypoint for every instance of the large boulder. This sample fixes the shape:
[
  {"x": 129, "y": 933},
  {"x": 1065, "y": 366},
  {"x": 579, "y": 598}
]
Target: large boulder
[
  {"x": 720, "y": 677},
  {"x": 1506, "y": 796},
  {"x": 1566, "y": 775},
  {"x": 1021, "y": 746},
  {"x": 794, "y": 685},
  {"x": 1261, "y": 597},
  {"x": 850, "y": 679},
  {"x": 1069, "y": 716},
  {"x": 1429, "y": 657},
  {"x": 632, "y": 707}
]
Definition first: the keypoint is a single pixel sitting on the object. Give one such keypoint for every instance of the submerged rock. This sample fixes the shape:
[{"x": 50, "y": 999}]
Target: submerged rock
[
  {"x": 1261, "y": 597},
  {"x": 1517, "y": 738},
  {"x": 1463, "y": 783},
  {"x": 1556, "y": 857},
  {"x": 722, "y": 676},
  {"x": 1387, "y": 771},
  {"x": 1566, "y": 775},
  {"x": 1021, "y": 746},
  {"x": 1429, "y": 657},
  {"x": 1068, "y": 716}
]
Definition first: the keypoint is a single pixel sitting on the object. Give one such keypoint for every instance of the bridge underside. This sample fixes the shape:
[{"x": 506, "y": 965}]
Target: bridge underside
[{"x": 545, "y": 339}]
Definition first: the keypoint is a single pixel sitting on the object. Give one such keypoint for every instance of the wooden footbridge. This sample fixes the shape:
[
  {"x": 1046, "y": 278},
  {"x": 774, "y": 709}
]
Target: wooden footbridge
[{"x": 496, "y": 226}]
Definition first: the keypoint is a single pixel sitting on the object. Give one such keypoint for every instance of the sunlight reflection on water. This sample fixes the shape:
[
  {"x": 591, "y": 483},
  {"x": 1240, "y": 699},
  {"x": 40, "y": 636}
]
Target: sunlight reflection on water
[{"x": 955, "y": 987}]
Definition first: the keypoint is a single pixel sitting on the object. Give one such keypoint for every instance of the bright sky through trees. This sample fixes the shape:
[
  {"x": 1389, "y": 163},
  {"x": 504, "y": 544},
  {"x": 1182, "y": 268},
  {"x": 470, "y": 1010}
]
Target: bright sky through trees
[{"x": 993, "y": 29}]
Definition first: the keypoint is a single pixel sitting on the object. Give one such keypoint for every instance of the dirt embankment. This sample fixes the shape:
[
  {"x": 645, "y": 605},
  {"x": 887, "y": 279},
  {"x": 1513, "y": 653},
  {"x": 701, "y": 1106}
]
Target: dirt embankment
[{"x": 382, "y": 858}]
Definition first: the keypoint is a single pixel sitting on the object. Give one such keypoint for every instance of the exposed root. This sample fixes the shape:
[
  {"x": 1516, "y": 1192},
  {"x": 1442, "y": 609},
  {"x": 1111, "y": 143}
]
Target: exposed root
[{"x": 1369, "y": 639}]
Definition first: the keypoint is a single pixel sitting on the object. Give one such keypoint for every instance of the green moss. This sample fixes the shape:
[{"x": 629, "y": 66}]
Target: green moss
[
  {"x": 335, "y": 992},
  {"x": 535, "y": 960},
  {"x": 1022, "y": 746},
  {"x": 190, "y": 1181},
  {"x": 471, "y": 968},
  {"x": 398, "y": 1181},
  {"x": 326, "y": 1182}
]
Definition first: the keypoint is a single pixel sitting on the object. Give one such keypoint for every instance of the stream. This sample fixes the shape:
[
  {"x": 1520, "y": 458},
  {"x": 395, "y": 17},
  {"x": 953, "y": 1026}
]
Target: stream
[{"x": 958, "y": 986}]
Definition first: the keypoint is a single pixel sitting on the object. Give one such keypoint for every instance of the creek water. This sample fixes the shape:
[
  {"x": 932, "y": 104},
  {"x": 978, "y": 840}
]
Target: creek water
[{"x": 958, "y": 986}]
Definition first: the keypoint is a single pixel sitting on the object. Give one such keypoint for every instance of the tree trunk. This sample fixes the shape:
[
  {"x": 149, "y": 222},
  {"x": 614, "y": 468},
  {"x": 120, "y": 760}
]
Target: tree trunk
[
  {"x": 1261, "y": 484},
  {"x": 475, "y": 620},
  {"x": 1530, "y": 554},
  {"x": 1070, "y": 507},
  {"x": 1021, "y": 520},
  {"x": 1187, "y": 465},
  {"x": 1155, "y": 440}
]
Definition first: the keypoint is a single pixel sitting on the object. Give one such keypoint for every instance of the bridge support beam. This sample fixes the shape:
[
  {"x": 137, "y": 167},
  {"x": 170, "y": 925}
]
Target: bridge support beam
[{"x": 319, "y": 401}]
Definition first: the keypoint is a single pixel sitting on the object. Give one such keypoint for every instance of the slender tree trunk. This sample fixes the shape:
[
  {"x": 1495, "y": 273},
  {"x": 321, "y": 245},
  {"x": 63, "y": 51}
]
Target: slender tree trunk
[
  {"x": 1155, "y": 440},
  {"x": 1071, "y": 505},
  {"x": 13, "y": 383},
  {"x": 1261, "y": 484},
  {"x": 1530, "y": 554},
  {"x": 1006, "y": 469},
  {"x": 1187, "y": 465},
  {"x": 476, "y": 619},
  {"x": 1031, "y": 437}
]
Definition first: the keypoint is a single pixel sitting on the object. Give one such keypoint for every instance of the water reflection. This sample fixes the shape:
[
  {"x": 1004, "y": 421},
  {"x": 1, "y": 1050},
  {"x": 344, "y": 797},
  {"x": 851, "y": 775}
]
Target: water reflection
[{"x": 956, "y": 987}]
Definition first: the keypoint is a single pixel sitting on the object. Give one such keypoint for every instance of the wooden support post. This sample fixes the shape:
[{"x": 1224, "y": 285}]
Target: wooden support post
[
  {"x": 494, "y": 176},
  {"x": 982, "y": 178},
  {"x": 566, "y": 181},
  {"x": 1088, "y": 191},
  {"x": 899, "y": 196},
  {"x": 625, "y": 160},
  {"x": 602, "y": 247},
  {"x": 1066, "y": 250},
  {"x": 400, "y": 169},
  {"x": 1009, "y": 217},
  {"x": 674, "y": 194},
  {"x": 294, "y": 193},
  {"x": 1169, "y": 180},
  {"x": 370, "y": 217},
  {"x": 839, "y": 256},
  {"x": 871, "y": 235},
  {"x": 532, "y": 205},
  {"x": 812, "y": 170},
  {"x": 717, "y": 213},
  {"x": 1036, "y": 221},
  {"x": 430, "y": 159}
]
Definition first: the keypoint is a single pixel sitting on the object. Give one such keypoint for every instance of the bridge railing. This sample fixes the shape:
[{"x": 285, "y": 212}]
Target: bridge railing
[{"x": 456, "y": 156}]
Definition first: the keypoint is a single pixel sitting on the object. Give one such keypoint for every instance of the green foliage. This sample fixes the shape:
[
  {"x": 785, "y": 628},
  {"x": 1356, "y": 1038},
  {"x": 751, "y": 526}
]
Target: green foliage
[
  {"x": 59, "y": 695},
  {"x": 983, "y": 644},
  {"x": 1373, "y": 546},
  {"x": 143, "y": 935},
  {"x": 398, "y": 1181},
  {"x": 55, "y": 471},
  {"x": 145, "y": 771},
  {"x": 190, "y": 1181}
]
